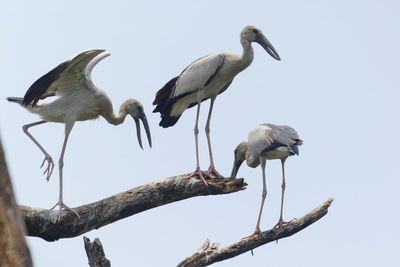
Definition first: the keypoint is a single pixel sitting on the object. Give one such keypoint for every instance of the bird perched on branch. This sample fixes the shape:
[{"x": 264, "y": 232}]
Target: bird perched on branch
[
  {"x": 204, "y": 79},
  {"x": 66, "y": 94},
  {"x": 267, "y": 142}
]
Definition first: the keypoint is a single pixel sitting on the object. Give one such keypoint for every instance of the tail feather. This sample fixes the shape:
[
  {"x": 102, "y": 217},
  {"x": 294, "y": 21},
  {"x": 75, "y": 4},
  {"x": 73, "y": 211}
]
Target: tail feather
[
  {"x": 295, "y": 147},
  {"x": 163, "y": 94},
  {"x": 299, "y": 142},
  {"x": 164, "y": 104},
  {"x": 17, "y": 100},
  {"x": 168, "y": 121}
]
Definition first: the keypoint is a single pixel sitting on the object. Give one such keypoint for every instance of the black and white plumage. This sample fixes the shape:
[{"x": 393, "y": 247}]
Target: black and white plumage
[
  {"x": 267, "y": 142},
  {"x": 66, "y": 94},
  {"x": 204, "y": 79}
]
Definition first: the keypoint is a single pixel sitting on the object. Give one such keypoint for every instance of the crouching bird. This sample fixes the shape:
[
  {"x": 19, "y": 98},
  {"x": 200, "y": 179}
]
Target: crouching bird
[{"x": 267, "y": 142}]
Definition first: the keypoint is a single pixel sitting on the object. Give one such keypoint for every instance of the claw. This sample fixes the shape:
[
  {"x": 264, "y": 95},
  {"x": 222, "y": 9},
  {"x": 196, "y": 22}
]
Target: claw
[
  {"x": 256, "y": 233},
  {"x": 281, "y": 223},
  {"x": 66, "y": 208},
  {"x": 50, "y": 167},
  {"x": 213, "y": 172},
  {"x": 199, "y": 174}
]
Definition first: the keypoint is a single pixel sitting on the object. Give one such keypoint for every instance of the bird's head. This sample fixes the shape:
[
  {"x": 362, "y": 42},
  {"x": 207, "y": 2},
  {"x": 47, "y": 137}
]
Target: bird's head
[
  {"x": 240, "y": 156},
  {"x": 254, "y": 34},
  {"x": 134, "y": 108}
]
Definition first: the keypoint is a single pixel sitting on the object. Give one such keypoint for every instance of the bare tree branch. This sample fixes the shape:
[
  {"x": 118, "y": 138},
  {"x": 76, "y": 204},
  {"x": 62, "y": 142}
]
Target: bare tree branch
[
  {"x": 42, "y": 223},
  {"x": 13, "y": 249},
  {"x": 95, "y": 253},
  {"x": 211, "y": 253}
]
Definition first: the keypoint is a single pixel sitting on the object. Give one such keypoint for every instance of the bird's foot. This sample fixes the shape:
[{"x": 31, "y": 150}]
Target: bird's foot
[
  {"x": 50, "y": 166},
  {"x": 198, "y": 173},
  {"x": 256, "y": 233},
  {"x": 66, "y": 208},
  {"x": 281, "y": 223},
  {"x": 212, "y": 172}
]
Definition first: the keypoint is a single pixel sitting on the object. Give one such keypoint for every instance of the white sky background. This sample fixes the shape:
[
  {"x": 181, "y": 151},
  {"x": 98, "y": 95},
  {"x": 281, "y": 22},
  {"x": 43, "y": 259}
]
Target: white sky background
[{"x": 337, "y": 84}]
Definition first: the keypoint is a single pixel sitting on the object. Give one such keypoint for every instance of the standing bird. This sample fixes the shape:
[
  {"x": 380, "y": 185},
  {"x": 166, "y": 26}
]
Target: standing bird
[
  {"x": 204, "y": 79},
  {"x": 266, "y": 142},
  {"x": 76, "y": 99}
]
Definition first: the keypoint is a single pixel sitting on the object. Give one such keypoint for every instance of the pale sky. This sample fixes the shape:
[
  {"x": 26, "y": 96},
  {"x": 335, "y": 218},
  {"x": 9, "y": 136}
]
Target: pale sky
[{"x": 337, "y": 84}]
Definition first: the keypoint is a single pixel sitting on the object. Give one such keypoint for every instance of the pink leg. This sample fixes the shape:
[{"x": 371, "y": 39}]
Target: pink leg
[
  {"x": 60, "y": 203},
  {"x": 197, "y": 172},
  {"x": 211, "y": 170},
  {"x": 47, "y": 158},
  {"x": 281, "y": 222},
  {"x": 257, "y": 231}
]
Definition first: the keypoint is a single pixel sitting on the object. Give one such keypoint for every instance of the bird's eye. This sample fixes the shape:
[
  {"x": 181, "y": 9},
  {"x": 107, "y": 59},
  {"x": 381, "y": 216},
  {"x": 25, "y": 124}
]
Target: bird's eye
[{"x": 255, "y": 31}]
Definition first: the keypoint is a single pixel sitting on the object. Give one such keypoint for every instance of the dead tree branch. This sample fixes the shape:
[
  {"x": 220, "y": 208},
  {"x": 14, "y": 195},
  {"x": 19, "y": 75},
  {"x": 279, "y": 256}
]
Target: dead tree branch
[
  {"x": 42, "y": 223},
  {"x": 13, "y": 249},
  {"x": 95, "y": 253},
  {"x": 211, "y": 253}
]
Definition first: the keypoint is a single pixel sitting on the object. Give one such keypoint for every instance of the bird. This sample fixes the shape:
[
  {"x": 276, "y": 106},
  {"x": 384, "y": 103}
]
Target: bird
[
  {"x": 267, "y": 142},
  {"x": 204, "y": 79},
  {"x": 66, "y": 94}
]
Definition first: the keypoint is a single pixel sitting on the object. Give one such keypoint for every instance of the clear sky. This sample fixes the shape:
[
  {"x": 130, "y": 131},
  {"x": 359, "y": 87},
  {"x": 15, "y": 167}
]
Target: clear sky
[{"x": 337, "y": 84}]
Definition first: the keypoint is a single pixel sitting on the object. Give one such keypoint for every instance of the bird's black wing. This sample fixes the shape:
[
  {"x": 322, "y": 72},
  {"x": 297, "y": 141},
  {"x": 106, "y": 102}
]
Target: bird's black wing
[
  {"x": 39, "y": 88},
  {"x": 164, "y": 93},
  {"x": 72, "y": 74}
]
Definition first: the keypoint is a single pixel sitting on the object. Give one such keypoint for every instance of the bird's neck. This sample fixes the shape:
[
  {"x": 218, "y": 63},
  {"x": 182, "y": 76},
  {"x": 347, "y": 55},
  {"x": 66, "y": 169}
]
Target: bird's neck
[
  {"x": 248, "y": 54},
  {"x": 114, "y": 118},
  {"x": 252, "y": 160}
]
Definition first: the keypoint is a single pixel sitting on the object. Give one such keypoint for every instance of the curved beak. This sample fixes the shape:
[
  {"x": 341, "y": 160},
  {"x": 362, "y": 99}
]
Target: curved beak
[
  {"x": 143, "y": 118},
  {"x": 263, "y": 41},
  {"x": 236, "y": 165}
]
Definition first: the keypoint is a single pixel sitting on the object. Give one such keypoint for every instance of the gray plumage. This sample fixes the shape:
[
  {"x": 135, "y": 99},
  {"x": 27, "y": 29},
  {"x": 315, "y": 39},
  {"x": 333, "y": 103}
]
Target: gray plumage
[
  {"x": 204, "y": 79},
  {"x": 269, "y": 137},
  {"x": 267, "y": 142}
]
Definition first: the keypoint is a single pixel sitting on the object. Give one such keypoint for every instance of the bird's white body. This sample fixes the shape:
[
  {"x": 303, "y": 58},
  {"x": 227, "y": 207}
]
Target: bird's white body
[
  {"x": 87, "y": 105},
  {"x": 76, "y": 97},
  {"x": 207, "y": 77}
]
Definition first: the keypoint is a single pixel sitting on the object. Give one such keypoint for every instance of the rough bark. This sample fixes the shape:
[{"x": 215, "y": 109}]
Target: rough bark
[
  {"x": 211, "y": 253},
  {"x": 13, "y": 249},
  {"x": 43, "y": 223},
  {"x": 95, "y": 253}
]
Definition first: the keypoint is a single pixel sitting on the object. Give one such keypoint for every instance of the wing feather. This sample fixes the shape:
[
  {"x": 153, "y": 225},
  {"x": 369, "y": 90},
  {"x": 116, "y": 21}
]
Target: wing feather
[
  {"x": 73, "y": 74},
  {"x": 267, "y": 137},
  {"x": 262, "y": 138},
  {"x": 198, "y": 74}
]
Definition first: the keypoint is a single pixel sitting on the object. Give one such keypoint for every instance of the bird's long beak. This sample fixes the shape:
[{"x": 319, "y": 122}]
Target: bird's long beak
[
  {"x": 143, "y": 118},
  {"x": 236, "y": 165},
  {"x": 263, "y": 41}
]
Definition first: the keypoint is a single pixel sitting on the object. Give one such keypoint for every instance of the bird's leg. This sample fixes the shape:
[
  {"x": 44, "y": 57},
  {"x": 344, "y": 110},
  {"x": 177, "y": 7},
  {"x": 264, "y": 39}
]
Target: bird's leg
[
  {"x": 211, "y": 170},
  {"x": 62, "y": 206},
  {"x": 197, "y": 171},
  {"x": 47, "y": 158},
  {"x": 281, "y": 222},
  {"x": 257, "y": 231}
]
